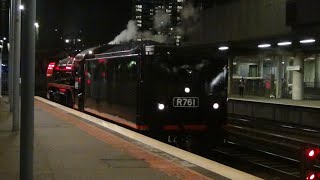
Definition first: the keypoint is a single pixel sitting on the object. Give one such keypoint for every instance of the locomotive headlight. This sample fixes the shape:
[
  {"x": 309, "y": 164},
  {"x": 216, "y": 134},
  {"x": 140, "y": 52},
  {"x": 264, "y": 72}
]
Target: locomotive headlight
[
  {"x": 215, "y": 106},
  {"x": 187, "y": 90},
  {"x": 161, "y": 106}
]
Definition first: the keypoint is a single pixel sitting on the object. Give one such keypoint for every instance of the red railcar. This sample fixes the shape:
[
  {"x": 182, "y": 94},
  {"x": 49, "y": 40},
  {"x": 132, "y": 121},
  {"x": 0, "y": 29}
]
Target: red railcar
[{"x": 60, "y": 78}]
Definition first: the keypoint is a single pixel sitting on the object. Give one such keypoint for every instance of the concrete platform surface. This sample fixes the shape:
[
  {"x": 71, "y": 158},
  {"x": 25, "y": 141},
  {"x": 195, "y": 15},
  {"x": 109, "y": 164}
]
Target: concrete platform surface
[{"x": 68, "y": 147}]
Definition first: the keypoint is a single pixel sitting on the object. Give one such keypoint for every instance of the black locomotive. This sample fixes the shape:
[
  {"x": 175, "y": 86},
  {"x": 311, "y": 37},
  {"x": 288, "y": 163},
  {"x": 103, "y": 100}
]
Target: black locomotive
[{"x": 162, "y": 90}]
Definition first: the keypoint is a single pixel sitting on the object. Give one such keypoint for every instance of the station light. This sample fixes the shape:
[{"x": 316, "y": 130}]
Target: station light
[
  {"x": 21, "y": 7},
  {"x": 67, "y": 40},
  {"x": 307, "y": 41},
  {"x": 223, "y": 48},
  {"x": 264, "y": 45},
  {"x": 310, "y": 158},
  {"x": 90, "y": 52},
  {"x": 286, "y": 43},
  {"x": 36, "y": 25}
]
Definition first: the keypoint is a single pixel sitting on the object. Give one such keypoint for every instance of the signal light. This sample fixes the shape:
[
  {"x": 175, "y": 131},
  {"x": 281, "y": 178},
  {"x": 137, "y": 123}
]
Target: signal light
[
  {"x": 311, "y": 153},
  {"x": 313, "y": 176},
  {"x": 310, "y": 158}
]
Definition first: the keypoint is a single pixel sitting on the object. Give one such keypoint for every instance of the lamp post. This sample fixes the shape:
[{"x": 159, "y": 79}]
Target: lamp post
[{"x": 1, "y": 49}]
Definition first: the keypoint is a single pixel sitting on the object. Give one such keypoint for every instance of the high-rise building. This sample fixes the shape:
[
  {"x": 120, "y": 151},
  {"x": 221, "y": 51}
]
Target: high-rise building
[{"x": 163, "y": 17}]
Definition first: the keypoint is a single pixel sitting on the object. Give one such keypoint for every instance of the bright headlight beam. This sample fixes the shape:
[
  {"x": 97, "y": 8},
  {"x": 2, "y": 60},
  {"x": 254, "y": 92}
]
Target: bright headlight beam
[
  {"x": 160, "y": 106},
  {"x": 215, "y": 106},
  {"x": 186, "y": 90}
]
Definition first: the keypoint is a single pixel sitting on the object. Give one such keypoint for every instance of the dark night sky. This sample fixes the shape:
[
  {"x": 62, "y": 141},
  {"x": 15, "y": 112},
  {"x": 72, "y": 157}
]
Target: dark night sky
[{"x": 100, "y": 20}]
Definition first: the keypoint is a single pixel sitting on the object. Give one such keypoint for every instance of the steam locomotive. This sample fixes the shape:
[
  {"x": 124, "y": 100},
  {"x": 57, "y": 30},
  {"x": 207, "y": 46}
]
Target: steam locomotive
[{"x": 165, "y": 91}]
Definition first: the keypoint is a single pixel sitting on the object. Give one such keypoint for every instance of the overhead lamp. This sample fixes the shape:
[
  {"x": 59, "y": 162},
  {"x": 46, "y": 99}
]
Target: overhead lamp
[
  {"x": 223, "y": 48},
  {"x": 36, "y": 25},
  {"x": 286, "y": 43},
  {"x": 306, "y": 41},
  {"x": 21, "y": 7},
  {"x": 264, "y": 45}
]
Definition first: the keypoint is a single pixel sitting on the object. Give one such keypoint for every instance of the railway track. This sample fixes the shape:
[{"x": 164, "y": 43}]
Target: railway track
[{"x": 271, "y": 147}]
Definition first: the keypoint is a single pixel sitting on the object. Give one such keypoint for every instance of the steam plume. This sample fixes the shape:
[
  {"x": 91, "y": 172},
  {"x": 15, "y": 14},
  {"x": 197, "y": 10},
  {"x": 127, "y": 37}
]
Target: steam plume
[
  {"x": 126, "y": 35},
  {"x": 189, "y": 15}
]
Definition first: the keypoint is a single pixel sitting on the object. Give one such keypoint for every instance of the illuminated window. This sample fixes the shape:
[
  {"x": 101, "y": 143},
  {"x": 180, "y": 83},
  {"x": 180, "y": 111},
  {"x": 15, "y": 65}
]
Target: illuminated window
[
  {"x": 139, "y": 21},
  {"x": 168, "y": 10},
  {"x": 180, "y": 7},
  {"x": 179, "y": 0},
  {"x": 139, "y": 25},
  {"x": 138, "y": 17}
]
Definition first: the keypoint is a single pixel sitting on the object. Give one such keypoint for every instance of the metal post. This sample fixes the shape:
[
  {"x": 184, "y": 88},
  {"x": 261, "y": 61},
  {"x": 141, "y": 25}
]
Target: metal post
[
  {"x": 11, "y": 54},
  {"x": 230, "y": 75},
  {"x": 16, "y": 66},
  {"x": 3, "y": 12},
  {"x": 27, "y": 90},
  {"x": 1, "y": 70}
]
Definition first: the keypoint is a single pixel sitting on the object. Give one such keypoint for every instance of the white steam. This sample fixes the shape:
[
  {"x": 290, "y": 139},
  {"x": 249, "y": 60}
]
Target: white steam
[
  {"x": 126, "y": 35},
  {"x": 162, "y": 20},
  {"x": 147, "y": 35},
  {"x": 189, "y": 19}
]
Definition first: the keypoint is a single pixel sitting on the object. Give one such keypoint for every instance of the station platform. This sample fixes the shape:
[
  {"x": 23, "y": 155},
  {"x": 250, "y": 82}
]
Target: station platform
[
  {"x": 69, "y": 145},
  {"x": 300, "y": 103}
]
